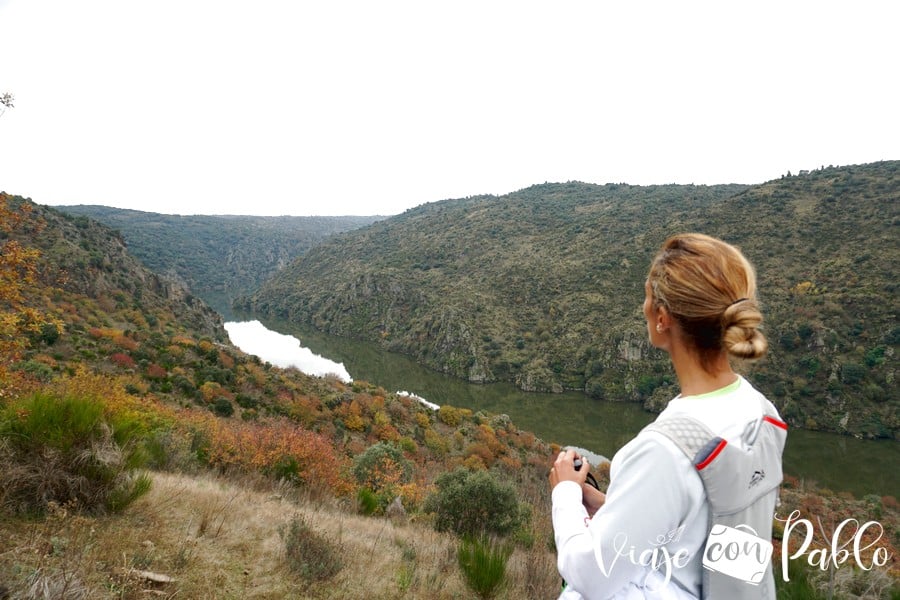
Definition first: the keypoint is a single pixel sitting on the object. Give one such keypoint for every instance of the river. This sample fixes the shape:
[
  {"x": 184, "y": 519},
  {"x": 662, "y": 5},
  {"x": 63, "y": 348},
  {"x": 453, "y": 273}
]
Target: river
[{"x": 840, "y": 463}]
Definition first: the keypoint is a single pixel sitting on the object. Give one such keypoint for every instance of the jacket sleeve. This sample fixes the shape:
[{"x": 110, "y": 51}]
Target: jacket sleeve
[{"x": 646, "y": 504}]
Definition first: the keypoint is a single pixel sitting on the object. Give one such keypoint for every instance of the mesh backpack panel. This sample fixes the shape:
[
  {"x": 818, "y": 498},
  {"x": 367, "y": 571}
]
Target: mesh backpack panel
[{"x": 741, "y": 486}]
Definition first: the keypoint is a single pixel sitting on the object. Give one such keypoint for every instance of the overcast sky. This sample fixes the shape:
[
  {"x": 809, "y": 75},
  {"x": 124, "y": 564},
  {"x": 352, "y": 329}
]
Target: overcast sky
[{"x": 337, "y": 107}]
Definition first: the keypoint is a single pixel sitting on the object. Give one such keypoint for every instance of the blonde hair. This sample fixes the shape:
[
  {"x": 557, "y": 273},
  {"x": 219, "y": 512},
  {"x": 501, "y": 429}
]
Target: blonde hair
[{"x": 709, "y": 289}]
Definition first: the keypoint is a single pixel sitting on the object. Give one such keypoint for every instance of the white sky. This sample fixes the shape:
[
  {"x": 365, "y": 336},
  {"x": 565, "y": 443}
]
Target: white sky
[{"x": 360, "y": 107}]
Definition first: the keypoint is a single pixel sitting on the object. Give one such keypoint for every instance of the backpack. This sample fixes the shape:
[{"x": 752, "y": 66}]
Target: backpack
[{"x": 742, "y": 489}]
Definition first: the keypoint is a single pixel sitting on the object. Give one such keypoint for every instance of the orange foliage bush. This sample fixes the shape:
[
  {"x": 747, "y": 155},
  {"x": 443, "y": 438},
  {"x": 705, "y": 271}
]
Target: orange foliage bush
[
  {"x": 45, "y": 359},
  {"x": 174, "y": 350},
  {"x": 474, "y": 463},
  {"x": 125, "y": 342},
  {"x": 305, "y": 410},
  {"x": 154, "y": 371},
  {"x": 226, "y": 360},
  {"x": 105, "y": 333},
  {"x": 275, "y": 447},
  {"x": 211, "y": 390},
  {"x": 510, "y": 463},
  {"x": 180, "y": 340},
  {"x": 386, "y": 433},
  {"x": 485, "y": 434},
  {"x": 412, "y": 495},
  {"x": 482, "y": 451}
]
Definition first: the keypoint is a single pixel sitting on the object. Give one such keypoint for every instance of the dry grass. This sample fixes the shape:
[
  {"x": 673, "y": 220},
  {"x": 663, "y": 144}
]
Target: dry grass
[{"x": 217, "y": 539}]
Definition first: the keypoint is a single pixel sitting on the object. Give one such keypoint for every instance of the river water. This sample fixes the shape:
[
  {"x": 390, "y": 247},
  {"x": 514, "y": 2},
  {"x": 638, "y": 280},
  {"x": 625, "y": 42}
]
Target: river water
[{"x": 840, "y": 463}]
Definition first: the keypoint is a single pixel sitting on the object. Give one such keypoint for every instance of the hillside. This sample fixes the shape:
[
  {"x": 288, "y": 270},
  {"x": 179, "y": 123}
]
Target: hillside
[
  {"x": 543, "y": 287},
  {"x": 218, "y": 257},
  {"x": 87, "y": 327},
  {"x": 142, "y": 454}
]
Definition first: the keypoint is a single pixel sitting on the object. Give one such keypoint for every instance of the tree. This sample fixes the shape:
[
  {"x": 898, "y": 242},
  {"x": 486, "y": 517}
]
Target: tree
[{"x": 6, "y": 102}]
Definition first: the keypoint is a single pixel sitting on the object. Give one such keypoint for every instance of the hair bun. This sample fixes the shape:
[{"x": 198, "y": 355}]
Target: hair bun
[{"x": 740, "y": 323}]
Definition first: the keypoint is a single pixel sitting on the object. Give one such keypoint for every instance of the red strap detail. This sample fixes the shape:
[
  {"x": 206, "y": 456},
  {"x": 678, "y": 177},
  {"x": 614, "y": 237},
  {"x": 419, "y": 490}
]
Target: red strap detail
[
  {"x": 775, "y": 422},
  {"x": 712, "y": 455}
]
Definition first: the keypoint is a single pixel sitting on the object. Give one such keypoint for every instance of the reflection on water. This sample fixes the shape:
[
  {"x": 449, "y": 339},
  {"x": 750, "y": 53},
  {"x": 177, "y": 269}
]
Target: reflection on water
[
  {"x": 834, "y": 461},
  {"x": 281, "y": 350}
]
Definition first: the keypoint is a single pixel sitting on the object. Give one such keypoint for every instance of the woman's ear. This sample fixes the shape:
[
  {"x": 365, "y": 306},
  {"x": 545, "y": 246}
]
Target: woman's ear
[{"x": 663, "y": 319}]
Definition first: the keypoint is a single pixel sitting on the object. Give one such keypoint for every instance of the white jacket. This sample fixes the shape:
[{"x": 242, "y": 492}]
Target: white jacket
[{"x": 646, "y": 541}]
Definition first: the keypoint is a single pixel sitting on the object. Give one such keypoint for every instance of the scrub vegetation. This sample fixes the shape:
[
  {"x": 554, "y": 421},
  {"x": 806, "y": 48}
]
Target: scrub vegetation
[
  {"x": 144, "y": 455},
  {"x": 542, "y": 287},
  {"x": 219, "y": 257}
]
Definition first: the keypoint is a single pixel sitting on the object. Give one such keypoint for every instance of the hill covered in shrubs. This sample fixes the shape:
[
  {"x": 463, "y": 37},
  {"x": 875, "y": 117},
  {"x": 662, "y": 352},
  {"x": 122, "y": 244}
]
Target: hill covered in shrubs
[
  {"x": 542, "y": 287},
  {"x": 218, "y": 257},
  {"x": 141, "y": 453},
  {"x": 119, "y": 372}
]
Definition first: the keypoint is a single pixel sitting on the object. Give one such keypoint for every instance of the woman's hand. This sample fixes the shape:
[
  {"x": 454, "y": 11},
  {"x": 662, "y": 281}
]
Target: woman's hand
[
  {"x": 591, "y": 498},
  {"x": 564, "y": 469}
]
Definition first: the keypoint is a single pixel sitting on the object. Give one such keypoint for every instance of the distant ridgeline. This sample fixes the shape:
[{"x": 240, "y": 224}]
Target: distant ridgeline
[
  {"x": 218, "y": 257},
  {"x": 543, "y": 287}
]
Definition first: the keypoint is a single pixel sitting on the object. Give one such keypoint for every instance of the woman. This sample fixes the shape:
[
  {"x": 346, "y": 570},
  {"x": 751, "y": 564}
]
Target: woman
[{"x": 645, "y": 537}]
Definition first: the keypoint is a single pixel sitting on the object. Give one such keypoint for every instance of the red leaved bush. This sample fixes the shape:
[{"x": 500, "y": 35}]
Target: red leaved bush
[
  {"x": 122, "y": 360},
  {"x": 275, "y": 447}
]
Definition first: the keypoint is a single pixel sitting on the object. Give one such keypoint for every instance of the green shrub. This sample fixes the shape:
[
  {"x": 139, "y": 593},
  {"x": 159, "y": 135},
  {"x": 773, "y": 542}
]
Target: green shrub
[
  {"x": 483, "y": 564},
  {"x": 367, "y": 501},
  {"x": 472, "y": 503},
  {"x": 69, "y": 450},
  {"x": 36, "y": 369},
  {"x": 310, "y": 554},
  {"x": 223, "y": 407}
]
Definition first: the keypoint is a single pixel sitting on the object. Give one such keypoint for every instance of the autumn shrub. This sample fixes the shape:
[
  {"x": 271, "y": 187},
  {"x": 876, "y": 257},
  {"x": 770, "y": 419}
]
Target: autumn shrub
[
  {"x": 310, "y": 554},
  {"x": 449, "y": 415},
  {"x": 155, "y": 371},
  {"x": 69, "y": 449},
  {"x": 274, "y": 447},
  {"x": 482, "y": 451},
  {"x": 382, "y": 468},
  {"x": 435, "y": 442},
  {"x": 473, "y": 503},
  {"x": 482, "y": 561},
  {"x": 122, "y": 360}
]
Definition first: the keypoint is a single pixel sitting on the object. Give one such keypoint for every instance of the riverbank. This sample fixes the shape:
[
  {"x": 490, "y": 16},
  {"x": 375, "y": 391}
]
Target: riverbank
[{"x": 835, "y": 462}]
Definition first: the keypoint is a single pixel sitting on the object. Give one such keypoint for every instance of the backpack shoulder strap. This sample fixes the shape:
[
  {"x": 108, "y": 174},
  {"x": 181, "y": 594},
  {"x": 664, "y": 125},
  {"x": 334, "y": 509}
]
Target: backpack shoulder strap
[{"x": 694, "y": 438}]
